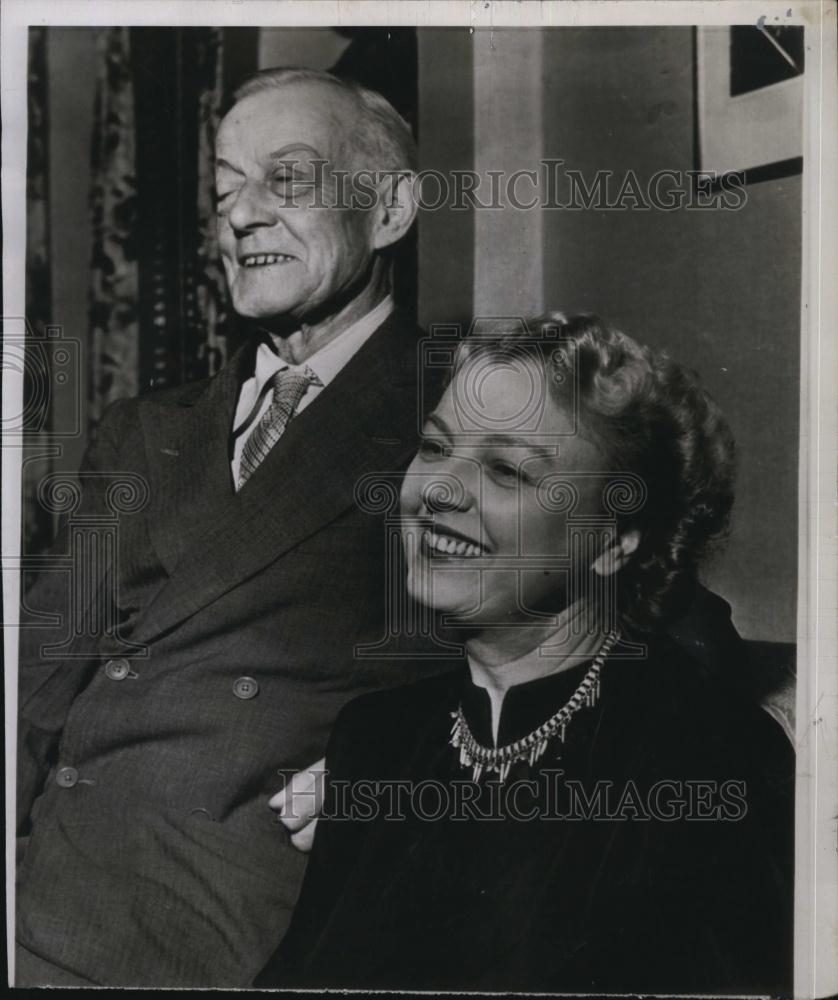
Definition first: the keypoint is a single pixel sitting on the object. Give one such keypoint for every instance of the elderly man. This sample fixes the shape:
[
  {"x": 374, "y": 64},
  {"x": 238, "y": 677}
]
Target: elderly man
[{"x": 149, "y": 855}]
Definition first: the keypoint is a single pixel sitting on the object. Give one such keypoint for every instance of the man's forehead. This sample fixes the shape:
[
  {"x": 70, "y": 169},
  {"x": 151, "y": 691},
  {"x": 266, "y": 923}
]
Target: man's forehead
[{"x": 311, "y": 112}]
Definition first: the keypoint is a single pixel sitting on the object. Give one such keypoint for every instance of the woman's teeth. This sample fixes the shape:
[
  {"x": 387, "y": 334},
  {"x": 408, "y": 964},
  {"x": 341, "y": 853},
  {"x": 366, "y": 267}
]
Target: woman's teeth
[{"x": 453, "y": 546}]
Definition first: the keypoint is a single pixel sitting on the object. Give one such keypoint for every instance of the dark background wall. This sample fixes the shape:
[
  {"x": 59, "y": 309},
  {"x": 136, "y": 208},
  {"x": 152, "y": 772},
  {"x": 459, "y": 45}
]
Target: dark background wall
[{"x": 720, "y": 290}]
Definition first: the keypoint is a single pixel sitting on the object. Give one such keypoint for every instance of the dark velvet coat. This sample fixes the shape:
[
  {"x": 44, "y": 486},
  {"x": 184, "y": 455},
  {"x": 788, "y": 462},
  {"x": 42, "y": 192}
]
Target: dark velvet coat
[{"x": 670, "y": 873}]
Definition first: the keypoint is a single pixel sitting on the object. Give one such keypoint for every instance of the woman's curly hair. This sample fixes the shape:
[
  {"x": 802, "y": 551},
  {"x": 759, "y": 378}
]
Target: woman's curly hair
[{"x": 649, "y": 417}]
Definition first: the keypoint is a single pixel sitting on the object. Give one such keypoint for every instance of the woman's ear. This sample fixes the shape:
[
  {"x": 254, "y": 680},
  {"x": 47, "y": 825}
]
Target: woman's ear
[
  {"x": 617, "y": 554},
  {"x": 396, "y": 208}
]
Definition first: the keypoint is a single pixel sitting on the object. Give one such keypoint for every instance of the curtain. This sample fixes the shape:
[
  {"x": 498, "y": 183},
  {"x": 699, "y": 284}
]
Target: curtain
[
  {"x": 210, "y": 286},
  {"x": 114, "y": 267},
  {"x": 158, "y": 306},
  {"x": 37, "y": 522}
]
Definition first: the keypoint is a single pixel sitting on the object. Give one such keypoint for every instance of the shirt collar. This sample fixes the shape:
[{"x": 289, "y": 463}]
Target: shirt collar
[{"x": 329, "y": 360}]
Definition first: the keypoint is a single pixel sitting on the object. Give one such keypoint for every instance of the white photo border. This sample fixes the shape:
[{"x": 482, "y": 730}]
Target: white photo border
[{"x": 816, "y": 859}]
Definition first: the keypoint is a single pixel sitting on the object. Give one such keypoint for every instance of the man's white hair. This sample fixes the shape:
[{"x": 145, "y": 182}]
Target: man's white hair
[{"x": 382, "y": 138}]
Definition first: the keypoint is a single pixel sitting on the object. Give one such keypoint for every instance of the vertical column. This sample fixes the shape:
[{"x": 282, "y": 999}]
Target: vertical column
[
  {"x": 446, "y": 144},
  {"x": 508, "y": 137}
]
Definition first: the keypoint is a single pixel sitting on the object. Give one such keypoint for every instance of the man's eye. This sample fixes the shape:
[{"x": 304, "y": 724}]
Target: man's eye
[
  {"x": 285, "y": 179},
  {"x": 431, "y": 448}
]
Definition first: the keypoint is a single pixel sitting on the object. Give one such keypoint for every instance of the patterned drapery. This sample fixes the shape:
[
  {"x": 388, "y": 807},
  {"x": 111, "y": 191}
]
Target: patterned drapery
[
  {"x": 158, "y": 300},
  {"x": 114, "y": 269},
  {"x": 210, "y": 285}
]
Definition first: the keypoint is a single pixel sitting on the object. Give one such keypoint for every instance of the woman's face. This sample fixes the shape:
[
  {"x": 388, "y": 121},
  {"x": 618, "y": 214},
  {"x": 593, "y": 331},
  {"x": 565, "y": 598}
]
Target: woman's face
[{"x": 484, "y": 502}]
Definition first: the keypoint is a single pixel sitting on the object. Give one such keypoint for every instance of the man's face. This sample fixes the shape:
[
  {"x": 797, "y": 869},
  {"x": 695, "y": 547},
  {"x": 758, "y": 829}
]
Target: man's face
[{"x": 282, "y": 256}]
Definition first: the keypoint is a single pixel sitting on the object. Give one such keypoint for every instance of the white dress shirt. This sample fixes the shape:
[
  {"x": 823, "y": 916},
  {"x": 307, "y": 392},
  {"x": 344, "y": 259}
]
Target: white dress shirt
[{"x": 255, "y": 395}]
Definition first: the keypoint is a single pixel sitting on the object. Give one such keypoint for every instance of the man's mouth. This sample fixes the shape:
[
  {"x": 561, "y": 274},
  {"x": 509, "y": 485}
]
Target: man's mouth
[
  {"x": 442, "y": 543},
  {"x": 263, "y": 259}
]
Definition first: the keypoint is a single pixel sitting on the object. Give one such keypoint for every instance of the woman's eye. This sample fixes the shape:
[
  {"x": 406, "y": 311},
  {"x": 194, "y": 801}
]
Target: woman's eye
[
  {"x": 505, "y": 472},
  {"x": 431, "y": 448}
]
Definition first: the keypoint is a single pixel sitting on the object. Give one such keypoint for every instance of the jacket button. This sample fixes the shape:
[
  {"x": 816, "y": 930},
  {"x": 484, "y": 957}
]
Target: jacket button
[
  {"x": 66, "y": 777},
  {"x": 117, "y": 670},
  {"x": 245, "y": 688}
]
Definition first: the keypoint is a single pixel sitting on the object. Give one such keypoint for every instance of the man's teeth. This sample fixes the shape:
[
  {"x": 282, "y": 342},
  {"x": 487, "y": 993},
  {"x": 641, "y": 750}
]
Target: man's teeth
[
  {"x": 453, "y": 546},
  {"x": 266, "y": 258}
]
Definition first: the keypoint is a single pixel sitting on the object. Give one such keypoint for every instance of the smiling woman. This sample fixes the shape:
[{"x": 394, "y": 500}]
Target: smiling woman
[
  {"x": 556, "y": 837},
  {"x": 527, "y": 413},
  {"x": 478, "y": 480}
]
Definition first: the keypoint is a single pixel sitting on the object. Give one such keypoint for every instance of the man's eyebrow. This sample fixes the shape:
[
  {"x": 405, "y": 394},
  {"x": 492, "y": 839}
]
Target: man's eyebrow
[
  {"x": 297, "y": 147},
  {"x": 221, "y": 162}
]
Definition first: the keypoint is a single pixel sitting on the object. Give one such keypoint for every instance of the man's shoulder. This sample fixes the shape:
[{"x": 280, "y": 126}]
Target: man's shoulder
[
  {"x": 392, "y": 716},
  {"x": 179, "y": 395},
  {"x": 128, "y": 407}
]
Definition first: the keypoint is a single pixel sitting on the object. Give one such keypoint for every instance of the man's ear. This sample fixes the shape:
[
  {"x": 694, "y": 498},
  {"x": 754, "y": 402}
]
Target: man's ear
[
  {"x": 617, "y": 554},
  {"x": 396, "y": 208}
]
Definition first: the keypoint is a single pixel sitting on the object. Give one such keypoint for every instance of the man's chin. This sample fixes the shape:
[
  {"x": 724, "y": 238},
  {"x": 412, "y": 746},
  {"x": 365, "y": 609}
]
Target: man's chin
[
  {"x": 265, "y": 310},
  {"x": 256, "y": 298}
]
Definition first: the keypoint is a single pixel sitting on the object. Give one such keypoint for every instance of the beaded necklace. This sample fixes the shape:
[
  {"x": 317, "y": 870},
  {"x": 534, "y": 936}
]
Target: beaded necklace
[{"x": 531, "y": 747}]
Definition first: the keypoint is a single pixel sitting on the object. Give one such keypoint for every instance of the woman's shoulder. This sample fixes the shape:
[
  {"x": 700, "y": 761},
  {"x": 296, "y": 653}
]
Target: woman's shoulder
[
  {"x": 699, "y": 716},
  {"x": 413, "y": 698}
]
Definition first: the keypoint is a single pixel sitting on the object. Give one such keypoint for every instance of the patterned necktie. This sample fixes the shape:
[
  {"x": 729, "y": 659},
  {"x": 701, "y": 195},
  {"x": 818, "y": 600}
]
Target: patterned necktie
[{"x": 289, "y": 387}]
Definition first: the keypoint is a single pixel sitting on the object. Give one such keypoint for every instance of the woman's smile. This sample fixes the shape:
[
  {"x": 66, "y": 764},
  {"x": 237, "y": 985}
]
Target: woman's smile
[{"x": 442, "y": 543}]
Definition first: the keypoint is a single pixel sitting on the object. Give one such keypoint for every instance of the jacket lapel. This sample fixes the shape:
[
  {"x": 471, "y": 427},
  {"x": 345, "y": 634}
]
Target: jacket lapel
[
  {"x": 365, "y": 421},
  {"x": 187, "y": 444}
]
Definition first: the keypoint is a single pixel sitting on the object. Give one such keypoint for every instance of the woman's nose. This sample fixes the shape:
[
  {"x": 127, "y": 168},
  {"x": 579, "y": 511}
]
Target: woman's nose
[
  {"x": 448, "y": 491},
  {"x": 252, "y": 208}
]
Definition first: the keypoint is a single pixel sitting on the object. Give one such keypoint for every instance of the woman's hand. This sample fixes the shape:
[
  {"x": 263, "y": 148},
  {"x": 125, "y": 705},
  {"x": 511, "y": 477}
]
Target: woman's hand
[{"x": 298, "y": 805}]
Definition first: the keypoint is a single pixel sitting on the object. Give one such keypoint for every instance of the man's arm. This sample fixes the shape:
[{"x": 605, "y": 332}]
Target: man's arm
[{"x": 49, "y": 681}]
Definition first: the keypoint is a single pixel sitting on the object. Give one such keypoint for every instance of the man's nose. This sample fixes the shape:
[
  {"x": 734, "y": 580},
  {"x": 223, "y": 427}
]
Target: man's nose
[{"x": 252, "y": 209}]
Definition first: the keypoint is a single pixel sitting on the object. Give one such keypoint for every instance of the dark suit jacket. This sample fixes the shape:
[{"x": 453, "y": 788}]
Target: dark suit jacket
[
  {"x": 155, "y": 859},
  {"x": 445, "y": 891}
]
